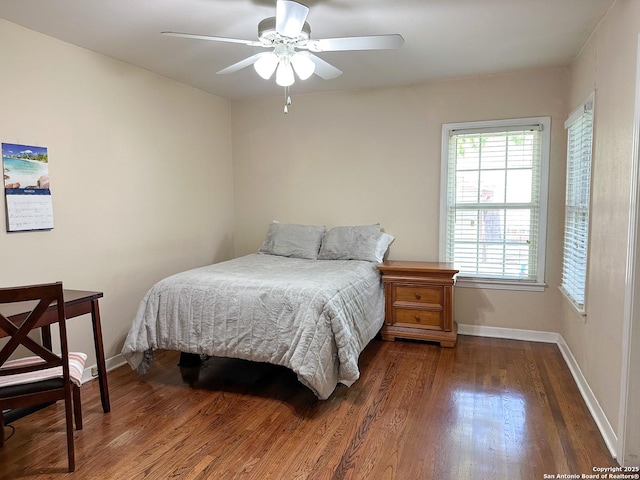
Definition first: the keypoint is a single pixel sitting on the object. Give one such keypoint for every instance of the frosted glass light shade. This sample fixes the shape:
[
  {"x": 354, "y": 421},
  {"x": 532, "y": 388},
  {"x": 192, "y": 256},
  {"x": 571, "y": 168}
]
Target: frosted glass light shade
[
  {"x": 303, "y": 65},
  {"x": 266, "y": 65},
  {"x": 284, "y": 74}
]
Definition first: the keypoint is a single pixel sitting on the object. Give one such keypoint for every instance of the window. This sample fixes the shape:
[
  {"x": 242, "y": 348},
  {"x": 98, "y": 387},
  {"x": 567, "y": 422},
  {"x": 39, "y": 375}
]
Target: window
[
  {"x": 579, "y": 127},
  {"x": 494, "y": 202}
]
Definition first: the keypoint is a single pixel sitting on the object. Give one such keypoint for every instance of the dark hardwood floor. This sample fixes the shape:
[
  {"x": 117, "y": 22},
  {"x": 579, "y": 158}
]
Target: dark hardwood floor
[{"x": 488, "y": 409}]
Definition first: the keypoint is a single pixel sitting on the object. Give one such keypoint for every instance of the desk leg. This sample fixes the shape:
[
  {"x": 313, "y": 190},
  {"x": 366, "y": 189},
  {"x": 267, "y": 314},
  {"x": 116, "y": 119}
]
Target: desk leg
[
  {"x": 45, "y": 333},
  {"x": 102, "y": 368}
]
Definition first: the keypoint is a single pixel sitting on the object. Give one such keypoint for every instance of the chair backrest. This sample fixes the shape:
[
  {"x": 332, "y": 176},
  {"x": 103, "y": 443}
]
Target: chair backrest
[
  {"x": 36, "y": 380},
  {"x": 38, "y": 299}
]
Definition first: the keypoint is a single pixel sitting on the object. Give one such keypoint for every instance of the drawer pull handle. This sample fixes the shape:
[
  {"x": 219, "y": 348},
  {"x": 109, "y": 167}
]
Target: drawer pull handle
[
  {"x": 418, "y": 318},
  {"x": 418, "y": 296}
]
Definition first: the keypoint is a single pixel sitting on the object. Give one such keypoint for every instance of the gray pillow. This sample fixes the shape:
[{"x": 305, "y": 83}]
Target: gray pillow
[
  {"x": 360, "y": 242},
  {"x": 291, "y": 240}
]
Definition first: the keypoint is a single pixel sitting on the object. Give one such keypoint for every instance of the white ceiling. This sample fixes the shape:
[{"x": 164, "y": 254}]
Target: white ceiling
[{"x": 443, "y": 38}]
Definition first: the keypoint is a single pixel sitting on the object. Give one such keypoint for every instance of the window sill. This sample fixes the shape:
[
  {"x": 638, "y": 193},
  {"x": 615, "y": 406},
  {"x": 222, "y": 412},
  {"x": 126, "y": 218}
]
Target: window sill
[
  {"x": 579, "y": 309},
  {"x": 468, "y": 282}
]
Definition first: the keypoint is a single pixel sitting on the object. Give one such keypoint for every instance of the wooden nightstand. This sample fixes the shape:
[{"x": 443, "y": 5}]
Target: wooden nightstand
[{"x": 419, "y": 301}]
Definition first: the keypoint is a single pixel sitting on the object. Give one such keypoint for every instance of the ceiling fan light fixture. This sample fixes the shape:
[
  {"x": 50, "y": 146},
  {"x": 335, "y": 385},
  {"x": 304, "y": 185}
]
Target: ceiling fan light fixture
[
  {"x": 266, "y": 65},
  {"x": 303, "y": 65},
  {"x": 284, "y": 74}
]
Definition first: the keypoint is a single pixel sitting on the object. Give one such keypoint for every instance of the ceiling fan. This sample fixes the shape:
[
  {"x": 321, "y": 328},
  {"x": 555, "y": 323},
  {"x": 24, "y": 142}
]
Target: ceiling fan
[{"x": 288, "y": 38}]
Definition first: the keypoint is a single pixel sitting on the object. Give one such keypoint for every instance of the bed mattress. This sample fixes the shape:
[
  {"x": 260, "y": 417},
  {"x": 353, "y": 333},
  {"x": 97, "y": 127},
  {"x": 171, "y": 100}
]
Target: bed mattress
[{"x": 312, "y": 316}]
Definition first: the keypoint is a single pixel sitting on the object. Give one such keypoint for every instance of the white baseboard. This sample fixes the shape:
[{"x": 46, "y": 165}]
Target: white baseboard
[
  {"x": 607, "y": 432},
  {"x": 111, "y": 363},
  {"x": 510, "y": 333}
]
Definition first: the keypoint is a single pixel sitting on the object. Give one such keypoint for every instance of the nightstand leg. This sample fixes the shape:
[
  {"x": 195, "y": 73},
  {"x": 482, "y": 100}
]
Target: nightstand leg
[{"x": 388, "y": 338}]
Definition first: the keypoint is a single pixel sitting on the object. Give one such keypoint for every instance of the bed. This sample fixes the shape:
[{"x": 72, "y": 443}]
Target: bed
[{"x": 309, "y": 300}]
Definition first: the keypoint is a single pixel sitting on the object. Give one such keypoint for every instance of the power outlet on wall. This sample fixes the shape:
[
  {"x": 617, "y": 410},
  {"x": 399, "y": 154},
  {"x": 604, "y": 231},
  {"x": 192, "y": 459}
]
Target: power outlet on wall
[{"x": 94, "y": 371}]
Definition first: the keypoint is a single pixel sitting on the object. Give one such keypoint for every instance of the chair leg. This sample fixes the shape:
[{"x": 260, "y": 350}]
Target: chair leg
[
  {"x": 68, "y": 407},
  {"x": 1, "y": 429},
  {"x": 77, "y": 407}
]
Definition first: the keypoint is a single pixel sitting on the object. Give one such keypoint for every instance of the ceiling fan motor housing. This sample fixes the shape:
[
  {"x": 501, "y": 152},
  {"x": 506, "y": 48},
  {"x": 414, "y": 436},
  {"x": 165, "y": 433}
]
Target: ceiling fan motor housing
[{"x": 267, "y": 32}]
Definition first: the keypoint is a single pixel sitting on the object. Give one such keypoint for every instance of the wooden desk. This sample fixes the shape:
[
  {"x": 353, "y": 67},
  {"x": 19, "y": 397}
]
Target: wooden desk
[{"x": 76, "y": 303}]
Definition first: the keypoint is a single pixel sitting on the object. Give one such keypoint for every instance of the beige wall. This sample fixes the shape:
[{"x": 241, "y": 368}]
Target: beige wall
[
  {"x": 374, "y": 156},
  {"x": 141, "y": 176},
  {"x": 607, "y": 65},
  {"x": 150, "y": 177}
]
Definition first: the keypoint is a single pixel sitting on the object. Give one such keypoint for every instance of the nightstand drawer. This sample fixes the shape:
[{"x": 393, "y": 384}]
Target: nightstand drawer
[
  {"x": 419, "y": 294},
  {"x": 419, "y": 318}
]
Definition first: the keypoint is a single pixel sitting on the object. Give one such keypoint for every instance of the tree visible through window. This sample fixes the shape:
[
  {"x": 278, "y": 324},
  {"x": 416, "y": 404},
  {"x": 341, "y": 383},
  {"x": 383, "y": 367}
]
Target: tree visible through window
[{"x": 494, "y": 200}]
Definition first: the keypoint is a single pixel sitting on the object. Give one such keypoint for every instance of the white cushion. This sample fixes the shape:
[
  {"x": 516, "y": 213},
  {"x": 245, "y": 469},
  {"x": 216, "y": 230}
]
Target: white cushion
[{"x": 76, "y": 367}]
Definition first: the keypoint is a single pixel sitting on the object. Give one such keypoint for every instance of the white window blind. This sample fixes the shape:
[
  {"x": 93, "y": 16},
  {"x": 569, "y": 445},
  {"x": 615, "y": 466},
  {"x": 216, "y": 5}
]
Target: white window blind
[
  {"x": 494, "y": 209},
  {"x": 576, "y": 225}
]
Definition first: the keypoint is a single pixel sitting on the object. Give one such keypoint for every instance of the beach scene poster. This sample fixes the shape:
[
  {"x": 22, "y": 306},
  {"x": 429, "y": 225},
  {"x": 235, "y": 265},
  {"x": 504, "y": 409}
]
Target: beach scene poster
[{"x": 26, "y": 187}]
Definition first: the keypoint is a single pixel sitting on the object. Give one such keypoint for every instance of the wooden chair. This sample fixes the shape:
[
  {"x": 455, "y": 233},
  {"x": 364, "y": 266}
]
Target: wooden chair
[{"x": 45, "y": 377}]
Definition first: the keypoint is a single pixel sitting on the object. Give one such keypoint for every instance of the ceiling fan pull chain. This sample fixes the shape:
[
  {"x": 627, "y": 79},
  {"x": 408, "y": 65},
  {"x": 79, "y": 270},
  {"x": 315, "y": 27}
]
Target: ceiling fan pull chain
[
  {"x": 286, "y": 107},
  {"x": 287, "y": 100}
]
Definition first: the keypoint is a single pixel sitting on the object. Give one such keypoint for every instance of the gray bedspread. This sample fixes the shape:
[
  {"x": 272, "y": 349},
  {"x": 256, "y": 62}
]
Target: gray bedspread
[{"x": 312, "y": 316}]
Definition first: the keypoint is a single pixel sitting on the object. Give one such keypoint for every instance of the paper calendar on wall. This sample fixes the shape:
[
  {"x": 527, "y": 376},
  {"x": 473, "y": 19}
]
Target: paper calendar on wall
[{"x": 26, "y": 188}]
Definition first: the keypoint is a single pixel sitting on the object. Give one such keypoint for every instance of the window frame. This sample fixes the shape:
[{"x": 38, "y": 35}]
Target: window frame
[
  {"x": 588, "y": 105},
  {"x": 488, "y": 126}
]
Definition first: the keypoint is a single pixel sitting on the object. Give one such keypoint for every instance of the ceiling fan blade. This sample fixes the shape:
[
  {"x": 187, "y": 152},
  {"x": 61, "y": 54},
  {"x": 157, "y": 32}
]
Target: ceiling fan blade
[
  {"x": 374, "y": 42},
  {"x": 290, "y": 17},
  {"x": 251, "y": 43},
  {"x": 241, "y": 64},
  {"x": 323, "y": 69}
]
